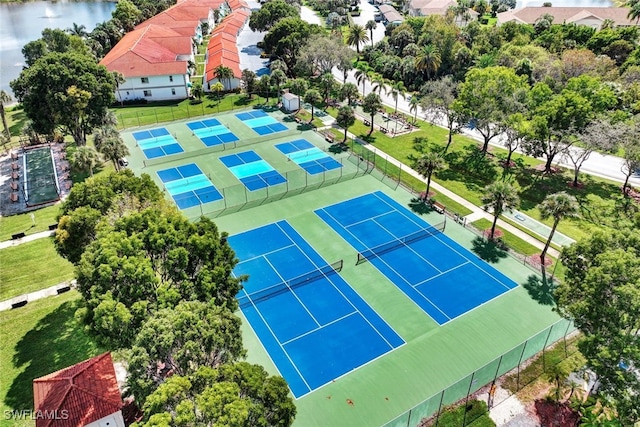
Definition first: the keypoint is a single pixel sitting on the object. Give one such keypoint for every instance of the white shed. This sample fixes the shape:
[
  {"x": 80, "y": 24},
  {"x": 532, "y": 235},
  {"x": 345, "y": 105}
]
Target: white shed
[{"x": 290, "y": 102}]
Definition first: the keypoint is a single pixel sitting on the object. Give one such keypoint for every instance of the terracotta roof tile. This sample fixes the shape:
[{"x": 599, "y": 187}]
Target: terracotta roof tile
[
  {"x": 529, "y": 15},
  {"x": 87, "y": 392}
]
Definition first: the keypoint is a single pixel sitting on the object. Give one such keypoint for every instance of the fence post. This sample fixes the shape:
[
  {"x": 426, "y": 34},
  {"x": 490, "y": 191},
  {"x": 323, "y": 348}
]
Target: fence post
[
  {"x": 519, "y": 362},
  {"x": 466, "y": 402},
  {"x": 544, "y": 348},
  {"x": 439, "y": 408},
  {"x": 565, "y": 339}
]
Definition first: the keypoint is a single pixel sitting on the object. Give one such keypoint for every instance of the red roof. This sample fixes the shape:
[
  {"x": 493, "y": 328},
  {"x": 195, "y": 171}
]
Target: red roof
[
  {"x": 148, "y": 51},
  {"x": 87, "y": 391}
]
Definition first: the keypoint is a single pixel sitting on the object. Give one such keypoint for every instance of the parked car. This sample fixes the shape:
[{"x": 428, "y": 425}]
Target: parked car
[{"x": 123, "y": 162}]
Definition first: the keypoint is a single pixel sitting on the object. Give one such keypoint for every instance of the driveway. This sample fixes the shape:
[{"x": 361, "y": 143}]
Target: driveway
[{"x": 248, "y": 50}]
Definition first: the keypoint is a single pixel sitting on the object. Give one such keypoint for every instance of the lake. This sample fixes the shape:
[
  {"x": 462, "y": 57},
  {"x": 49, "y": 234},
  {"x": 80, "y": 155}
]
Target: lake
[{"x": 21, "y": 23}]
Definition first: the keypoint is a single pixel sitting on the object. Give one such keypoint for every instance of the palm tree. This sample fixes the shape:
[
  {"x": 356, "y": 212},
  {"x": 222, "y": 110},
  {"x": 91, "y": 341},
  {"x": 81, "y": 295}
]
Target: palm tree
[
  {"x": 361, "y": 78},
  {"x": 379, "y": 84},
  {"x": 85, "y": 159},
  {"x": 428, "y": 60},
  {"x": 278, "y": 78},
  {"x": 264, "y": 86},
  {"x": 634, "y": 10},
  {"x": 414, "y": 103},
  {"x": 557, "y": 206},
  {"x": 397, "y": 89},
  {"x": 371, "y": 105},
  {"x": 349, "y": 91},
  {"x": 345, "y": 118},
  {"x": 426, "y": 165},
  {"x": 370, "y": 25},
  {"x": 217, "y": 88},
  {"x": 197, "y": 91},
  {"x": 327, "y": 84},
  {"x": 78, "y": 30},
  {"x": 221, "y": 73},
  {"x": 357, "y": 34},
  {"x": 113, "y": 148},
  {"x": 5, "y": 98},
  {"x": 500, "y": 196},
  {"x": 312, "y": 97}
]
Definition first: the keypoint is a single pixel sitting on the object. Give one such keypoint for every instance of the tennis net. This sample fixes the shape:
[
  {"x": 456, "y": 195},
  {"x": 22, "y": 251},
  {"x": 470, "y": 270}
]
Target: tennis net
[
  {"x": 387, "y": 247},
  {"x": 289, "y": 285}
]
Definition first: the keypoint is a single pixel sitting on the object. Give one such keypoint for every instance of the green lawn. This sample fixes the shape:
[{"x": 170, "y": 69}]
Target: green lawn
[
  {"x": 37, "y": 339},
  {"x": 22, "y": 223},
  {"x": 30, "y": 267}
]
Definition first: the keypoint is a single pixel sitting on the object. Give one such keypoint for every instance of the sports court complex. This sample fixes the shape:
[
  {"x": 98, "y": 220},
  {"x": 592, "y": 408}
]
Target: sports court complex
[{"x": 365, "y": 307}]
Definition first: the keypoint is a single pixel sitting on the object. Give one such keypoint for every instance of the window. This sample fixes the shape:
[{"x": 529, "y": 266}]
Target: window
[
  {"x": 147, "y": 93},
  {"x": 144, "y": 79},
  {"x": 173, "y": 91},
  {"x": 170, "y": 78}
]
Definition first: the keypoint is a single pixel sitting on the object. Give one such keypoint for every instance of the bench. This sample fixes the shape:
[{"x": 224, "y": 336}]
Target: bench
[
  {"x": 15, "y": 166},
  {"x": 63, "y": 289},
  {"x": 329, "y": 137},
  {"x": 19, "y": 303},
  {"x": 14, "y": 197},
  {"x": 384, "y": 130},
  {"x": 367, "y": 122},
  {"x": 15, "y": 175},
  {"x": 53, "y": 227},
  {"x": 17, "y": 236},
  {"x": 438, "y": 207},
  {"x": 14, "y": 186}
]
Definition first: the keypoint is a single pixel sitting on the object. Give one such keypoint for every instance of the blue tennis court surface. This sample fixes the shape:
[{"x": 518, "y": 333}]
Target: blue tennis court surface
[
  {"x": 314, "y": 326},
  {"x": 157, "y": 143},
  {"x": 261, "y": 122},
  {"x": 252, "y": 171},
  {"x": 308, "y": 156},
  {"x": 189, "y": 186},
  {"x": 211, "y": 132},
  {"x": 439, "y": 275}
]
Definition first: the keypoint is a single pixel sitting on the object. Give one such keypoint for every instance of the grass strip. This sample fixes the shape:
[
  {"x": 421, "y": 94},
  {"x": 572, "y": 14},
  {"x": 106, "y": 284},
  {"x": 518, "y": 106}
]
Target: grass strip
[
  {"x": 31, "y": 266},
  {"x": 22, "y": 223},
  {"x": 37, "y": 339}
]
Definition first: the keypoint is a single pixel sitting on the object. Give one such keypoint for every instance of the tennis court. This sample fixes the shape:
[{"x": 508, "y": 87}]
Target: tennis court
[
  {"x": 156, "y": 143},
  {"x": 40, "y": 180},
  {"x": 211, "y": 132},
  {"x": 308, "y": 156},
  {"x": 188, "y": 186},
  {"x": 261, "y": 122},
  {"x": 440, "y": 276},
  {"x": 252, "y": 171},
  {"x": 314, "y": 326}
]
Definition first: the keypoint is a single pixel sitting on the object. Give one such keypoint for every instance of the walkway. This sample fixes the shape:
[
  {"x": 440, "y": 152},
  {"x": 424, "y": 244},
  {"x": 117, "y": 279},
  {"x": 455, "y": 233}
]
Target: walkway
[
  {"x": 42, "y": 293},
  {"x": 28, "y": 238}
]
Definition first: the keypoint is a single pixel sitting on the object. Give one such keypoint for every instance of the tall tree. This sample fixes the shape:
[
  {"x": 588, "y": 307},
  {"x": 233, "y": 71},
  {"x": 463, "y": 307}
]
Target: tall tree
[
  {"x": 298, "y": 86},
  {"x": 149, "y": 259},
  {"x": 370, "y": 25},
  {"x": 110, "y": 144},
  {"x": 345, "y": 118},
  {"x": 414, "y": 105},
  {"x": 249, "y": 79},
  {"x": 397, "y": 90},
  {"x": 233, "y": 394},
  {"x": 78, "y": 30},
  {"x": 349, "y": 91},
  {"x": 437, "y": 101},
  {"x": 321, "y": 53},
  {"x": 278, "y": 78},
  {"x": 180, "y": 340},
  {"x": 601, "y": 295},
  {"x": 426, "y": 165},
  {"x": 224, "y": 75},
  {"x": 270, "y": 13},
  {"x": 356, "y": 36},
  {"x": 371, "y": 104},
  {"x": 265, "y": 86},
  {"x": 362, "y": 75},
  {"x": 597, "y": 135},
  {"x": 285, "y": 39},
  {"x": 557, "y": 206},
  {"x": 428, "y": 60},
  {"x": 65, "y": 90},
  {"x": 500, "y": 196},
  {"x": 85, "y": 159},
  {"x": 5, "y": 98},
  {"x": 127, "y": 14},
  {"x": 486, "y": 97},
  {"x": 327, "y": 84},
  {"x": 313, "y": 98}
]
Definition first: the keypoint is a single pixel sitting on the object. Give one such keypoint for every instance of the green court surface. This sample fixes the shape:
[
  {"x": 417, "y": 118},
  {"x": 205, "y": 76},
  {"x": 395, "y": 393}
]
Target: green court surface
[
  {"x": 40, "y": 182},
  {"x": 433, "y": 358}
]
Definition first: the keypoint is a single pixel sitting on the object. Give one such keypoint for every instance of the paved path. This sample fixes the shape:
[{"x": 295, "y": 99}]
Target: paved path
[
  {"x": 28, "y": 238},
  {"x": 42, "y": 293}
]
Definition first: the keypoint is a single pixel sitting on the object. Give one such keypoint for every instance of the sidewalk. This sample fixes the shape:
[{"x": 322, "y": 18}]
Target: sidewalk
[
  {"x": 477, "y": 212},
  {"x": 28, "y": 238},
  {"x": 42, "y": 293}
]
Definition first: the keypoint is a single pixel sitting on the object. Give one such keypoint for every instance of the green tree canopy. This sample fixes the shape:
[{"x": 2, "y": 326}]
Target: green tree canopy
[
  {"x": 270, "y": 13},
  {"x": 285, "y": 39},
  {"x": 147, "y": 260},
  {"x": 601, "y": 294},
  {"x": 179, "y": 340},
  {"x": 500, "y": 197},
  {"x": 371, "y": 104},
  {"x": 67, "y": 91},
  {"x": 345, "y": 118},
  {"x": 238, "y": 394}
]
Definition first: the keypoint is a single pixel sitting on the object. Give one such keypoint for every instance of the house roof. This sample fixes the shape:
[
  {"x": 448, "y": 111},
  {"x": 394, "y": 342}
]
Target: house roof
[
  {"x": 137, "y": 55},
  {"x": 529, "y": 15},
  {"x": 390, "y": 13},
  {"x": 432, "y": 7},
  {"x": 88, "y": 391}
]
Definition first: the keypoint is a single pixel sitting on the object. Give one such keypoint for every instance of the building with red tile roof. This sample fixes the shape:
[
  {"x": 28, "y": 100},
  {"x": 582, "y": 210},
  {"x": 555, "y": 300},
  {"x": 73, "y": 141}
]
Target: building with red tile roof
[
  {"x": 85, "y": 394},
  {"x": 154, "y": 58}
]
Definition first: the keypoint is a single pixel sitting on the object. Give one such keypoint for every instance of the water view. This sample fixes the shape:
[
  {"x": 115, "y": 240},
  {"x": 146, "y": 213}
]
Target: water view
[{"x": 21, "y": 23}]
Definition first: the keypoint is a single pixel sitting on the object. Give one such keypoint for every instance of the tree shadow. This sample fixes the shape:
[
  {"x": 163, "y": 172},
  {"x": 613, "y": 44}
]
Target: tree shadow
[
  {"x": 540, "y": 290},
  {"x": 243, "y": 101},
  {"x": 419, "y": 206},
  {"x": 488, "y": 250},
  {"x": 57, "y": 341}
]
